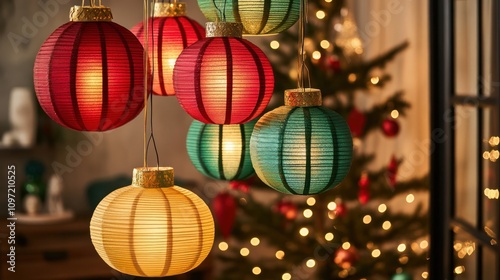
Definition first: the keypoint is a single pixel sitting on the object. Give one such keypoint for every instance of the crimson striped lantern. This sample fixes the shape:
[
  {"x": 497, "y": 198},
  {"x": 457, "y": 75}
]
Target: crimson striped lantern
[
  {"x": 89, "y": 73},
  {"x": 170, "y": 33},
  {"x": 223, "y": 79}
]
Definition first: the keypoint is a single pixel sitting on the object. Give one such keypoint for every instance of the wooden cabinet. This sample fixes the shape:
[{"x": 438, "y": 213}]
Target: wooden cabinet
[{"x": 65, "y": 251}]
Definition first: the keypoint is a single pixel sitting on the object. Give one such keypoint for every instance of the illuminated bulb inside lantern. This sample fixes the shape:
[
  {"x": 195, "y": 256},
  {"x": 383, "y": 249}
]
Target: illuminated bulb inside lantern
[
  {"x": 244, "y": 252},
  {"x": 255, "y": 241},
  {"x": 256, "y": 270},
  {"x": 304, "y": 231},
  {"x": 223, "y": 246},
  {"x": 376, "y": 253},
  {"x": 329, "y": 236},
  {"x": 311, "y": 201},
  {"x": 382, "y": 208},
  {"x": 286, "y": 276},
  {"x": 346, "y": 245},
  {"x": 324, "y": 44},
  {"x": 401, "y": 247},
  {"x": 367, "y": 219},
  {"x": 310, "y": 263},
  {"x": 280, "y": 255}
]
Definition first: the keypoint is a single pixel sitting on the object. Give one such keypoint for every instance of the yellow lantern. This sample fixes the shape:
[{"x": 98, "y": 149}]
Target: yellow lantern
[{"x": 152, "y": 228}]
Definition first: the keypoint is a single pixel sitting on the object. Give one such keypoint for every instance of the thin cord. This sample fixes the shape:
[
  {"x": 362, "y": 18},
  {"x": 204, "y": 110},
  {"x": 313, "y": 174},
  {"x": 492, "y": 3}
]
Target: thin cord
[
  {"x": 221, "y": 14},
  {"x": 301, "y": 67},
  {"x": 146, "y": 65},
  {"x": 151, "y": 137}
]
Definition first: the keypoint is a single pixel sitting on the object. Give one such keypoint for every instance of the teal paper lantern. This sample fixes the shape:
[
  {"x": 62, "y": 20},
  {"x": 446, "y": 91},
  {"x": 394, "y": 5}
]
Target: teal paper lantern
[
  {"x": 221, "y": 151},
  {"x": 301, "y": 148},
  {"x": 258, "y": 17}
]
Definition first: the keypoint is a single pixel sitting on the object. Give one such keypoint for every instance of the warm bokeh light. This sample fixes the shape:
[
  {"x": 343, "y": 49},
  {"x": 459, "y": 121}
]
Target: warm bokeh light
[
  {"x": 410, "y": 198},
  {"x": 310, "y": 263},
  {"x": 223, "y": 246},
  {"x": 346, "y": 245},
  {"x": 308, "y": 213},
  {"x": 255, "y": 241},
  {"x": 376, "y": 253},
  {"x": 401, "y": 247},
  {"x": 286, "y": 276},
  {"x": 304, "y": 231},
  {"x": 311, "y": 201},
  {"x": 367, "y": 219},
  {"x": 386, "y": 225},
  {"x": 324, "y": 44},
  {"x": 316, "y": 55},
  {"x": 280, "y": 254},
  {"x": 424, "y": 244},
  {"x": 382, "y": 208},
  {"x": 331, "y": 206},
  {"x": 274, "y": 44},
  {"x": 375, "y": 80},
  {"x": 329, "y": 236},
  {"x": 394, "y": 114},
  {"x": 320, "y": 14},
  {"x": 256, "y": 270}
]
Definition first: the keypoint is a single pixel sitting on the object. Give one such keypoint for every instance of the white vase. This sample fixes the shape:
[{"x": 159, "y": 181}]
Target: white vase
[{"x": 22, "y": 119}]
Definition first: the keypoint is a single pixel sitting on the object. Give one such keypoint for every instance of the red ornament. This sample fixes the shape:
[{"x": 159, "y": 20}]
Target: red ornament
[
  {"x": 356, "y": 121},
  {"x": 364, "y": 189},
  {"x": 333, "y": 63},
  {"x": 168, "y": 37},
  {"x": 346, "y": 258},
  {"x": 89, "y": 76},
  {"x": 392, "y": 171},
  {"x": 243, "y": 185},
  {"x": 340, "y": 210},
  {"x": 390, "y": 127},
  {"x": 287, "y": 209},
  {"x": 223, "y": 80},
  {"x": 224, "y": 206}
]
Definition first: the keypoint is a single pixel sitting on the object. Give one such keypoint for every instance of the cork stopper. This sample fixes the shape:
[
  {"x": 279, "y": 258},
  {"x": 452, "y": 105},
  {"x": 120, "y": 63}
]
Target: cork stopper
[
  {"x": 224, "y": 29},
  {"x": 90, "y": 13},
  {"x": 175, "y": 9},
  {"x": 153, "y": 177},
  {"x": 303, "y": 97}
]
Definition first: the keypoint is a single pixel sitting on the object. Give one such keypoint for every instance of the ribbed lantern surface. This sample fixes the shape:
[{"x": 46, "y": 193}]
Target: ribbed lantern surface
[
  {"x": 301, "y": 148},
  {"x": 221, "y": 151},
  {"x": 257, "y": 17},
  {"x": 170, "y": 33},
  {"x": 223, "y": 79},
  {"x": 89, "y": 75},
  {"x": 152, "y": 228}
]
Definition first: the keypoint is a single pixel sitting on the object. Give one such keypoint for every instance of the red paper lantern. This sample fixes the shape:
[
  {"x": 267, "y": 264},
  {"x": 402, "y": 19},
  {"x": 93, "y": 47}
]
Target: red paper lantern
[
  {"x": 170, "y": 33},
  {"x": 223, "y": 79},
  {"x": 224, "y": 206},
  {"x": 89, "y": 73}
]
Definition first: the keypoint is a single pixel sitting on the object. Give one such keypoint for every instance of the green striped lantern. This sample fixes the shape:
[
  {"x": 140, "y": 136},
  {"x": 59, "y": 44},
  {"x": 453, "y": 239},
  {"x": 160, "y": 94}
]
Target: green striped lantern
[
  {"x": 259, "y": 17},
  {"x": 221, "y": 151},
  {"x": 301, "y": 148}
]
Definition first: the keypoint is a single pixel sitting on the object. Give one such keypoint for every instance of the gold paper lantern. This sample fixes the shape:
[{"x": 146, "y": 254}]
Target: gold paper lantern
[{"x": 152, "y": 228}]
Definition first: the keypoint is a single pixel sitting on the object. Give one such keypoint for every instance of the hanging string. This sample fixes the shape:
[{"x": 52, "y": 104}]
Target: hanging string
[
  {"x": 147, "y": 93},
  {"x": 302, "y": 69},
  {"x": 221, "y": 13}
]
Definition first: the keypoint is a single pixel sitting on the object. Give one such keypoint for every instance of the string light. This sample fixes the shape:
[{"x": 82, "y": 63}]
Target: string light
[
  {"x": 311, "y": 201},
  {"x": 316, "y": 55},
  {"x": 346, "y": 245},
  {"x": 376, "y": 253},
  {"x": 328, "y": 1},
  {"x": 255, "y": 241},
  {"x": 424, "y": 244},
  {"x": 223, "y": 246},
  {"x": 403, "y": 260},
  {"x": 256, "y": 270},
  {"x": 382, "y": 208},
  {"x": 310, "y": 263},
  {"x": 274, "y": 44},
  {"x": 401, "y": 247},
  {"x": 280, "y": 254},
  {"x": 332, "y": 206},
  {"x": 375, "y": 80},
  {"x": 410, "y": 198},
  {"x": 425, "y": 274},
  {"x": 491, "y": 193},
  {"x": 343, "y": 273},
  {"x": 329, "y": 236},
  {"x": 494, "y": 141},
  {"x": 386, "y": 225},
  {"x": 394, "y": 114},
  {"x": 459, "y": 269},
  {"x": 304, "y": 231},
  {"x": 244, "y": 252},
  {"x": 286, "y": 276},
  {"x": 320, "y": 14},
  {"x": 352, "y": 77},
  {"x": 367, "y": 219},
  {"x": 324, "y": 44},
  {"x": 308, "y": 213}
]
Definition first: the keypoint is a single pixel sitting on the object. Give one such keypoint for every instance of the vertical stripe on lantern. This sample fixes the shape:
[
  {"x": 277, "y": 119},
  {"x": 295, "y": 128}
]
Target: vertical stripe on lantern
[
  {"x": 243, "y": 151},
  {"x": 220, "y": 155},
  {"x": 168, "y": 241},
  {"x": 131, "y": 236},
  {"x": 265, "y": 16},
  {"x": 335, "y": 156},
  {"x": 105, "y": 85},
  {"x": 197, "y": 79},
  {"x": 286, "y": 17},
  {"x": 201, "y": 159},
  {"x": 229, "y": 82},
  {"x": 200, "y": 233},
  {"x": 281, "y": 136},
  {"x": 159, "y": 58},
  {"x": 73, "y": 76},
  {"x": 307, "y": 134}
]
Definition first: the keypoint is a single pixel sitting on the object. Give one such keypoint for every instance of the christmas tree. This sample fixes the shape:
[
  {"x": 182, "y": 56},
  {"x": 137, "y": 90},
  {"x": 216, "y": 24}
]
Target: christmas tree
[{"x": 350, "y": 232}]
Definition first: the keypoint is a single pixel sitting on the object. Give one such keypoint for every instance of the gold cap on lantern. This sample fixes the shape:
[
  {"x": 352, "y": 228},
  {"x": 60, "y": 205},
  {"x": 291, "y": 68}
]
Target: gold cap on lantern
[
  {"x": 224, "y": 29},
  {"x": 303, "y": 97},
  {"x": 175, "y": 9},
  {"x": 153, "y": 177},
  {"x": 90, "y": 13}
]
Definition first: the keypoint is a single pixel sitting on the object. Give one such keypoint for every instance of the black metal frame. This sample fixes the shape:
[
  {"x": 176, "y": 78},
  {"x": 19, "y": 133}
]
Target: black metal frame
[{"x": 443, "y": 102}]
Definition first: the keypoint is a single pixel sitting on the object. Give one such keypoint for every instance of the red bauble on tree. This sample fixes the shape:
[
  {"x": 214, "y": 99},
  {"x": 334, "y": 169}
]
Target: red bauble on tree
[
  {"x": 89, "y": 74},
  {"x": 169, "y": 34},
  {"x": 243, "y": 185},
  {"x": 224, "y": 206},
  {"x": 333, "y": 63},
  {"x": 392, "y": 171},
  {"x": 223, "y": 79},
  {"x": 356, "y": 121},
  {"x": 346, "y": 258},
  {"x": 341, "y": 209},
  {"x": 390, "y": 127},
  {"x": 287, "y": 208},
  {"x": 364, "y": 188}
]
